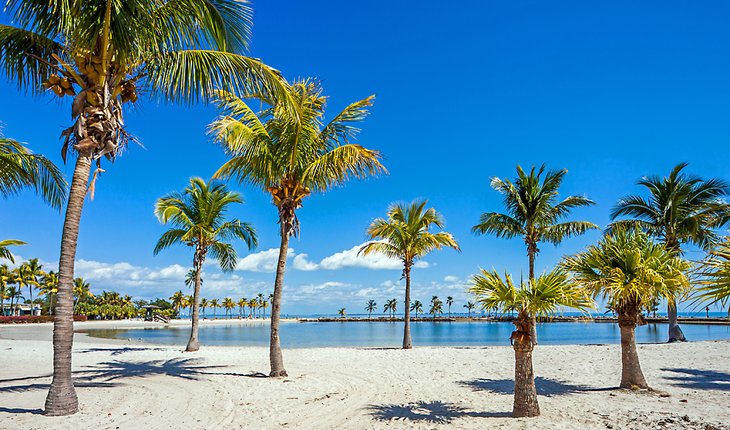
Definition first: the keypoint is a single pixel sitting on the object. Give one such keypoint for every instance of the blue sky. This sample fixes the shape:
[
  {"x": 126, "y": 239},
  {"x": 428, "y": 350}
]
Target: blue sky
[{"x": 465, "y": 91}]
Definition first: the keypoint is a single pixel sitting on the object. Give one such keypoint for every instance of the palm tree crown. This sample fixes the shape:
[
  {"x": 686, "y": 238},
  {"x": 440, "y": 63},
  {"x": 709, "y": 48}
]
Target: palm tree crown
[
  {"x": 680, "y": 208},
  {"x": 534, "y": 211}
]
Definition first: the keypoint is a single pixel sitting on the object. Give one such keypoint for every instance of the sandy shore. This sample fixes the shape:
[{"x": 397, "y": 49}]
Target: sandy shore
[{"x": 129, "y": 385}]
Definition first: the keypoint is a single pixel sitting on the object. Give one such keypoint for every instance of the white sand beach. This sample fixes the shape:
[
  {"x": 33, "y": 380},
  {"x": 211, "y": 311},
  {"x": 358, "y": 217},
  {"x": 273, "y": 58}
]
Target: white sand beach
[{"x": 130, "y": 385}]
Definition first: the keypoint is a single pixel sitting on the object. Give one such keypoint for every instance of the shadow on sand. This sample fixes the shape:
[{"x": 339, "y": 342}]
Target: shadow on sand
[
  {"x": 106, "y": 374},
  {"x": 434, "y": 412},
  {"x": 545, "y": 386},
  {"x": 699, "y": 379}
]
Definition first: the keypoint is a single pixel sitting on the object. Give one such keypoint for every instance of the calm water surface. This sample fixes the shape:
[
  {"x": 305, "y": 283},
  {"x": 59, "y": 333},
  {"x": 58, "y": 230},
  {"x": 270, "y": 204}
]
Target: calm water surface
[{"x": 390, "y": 334}]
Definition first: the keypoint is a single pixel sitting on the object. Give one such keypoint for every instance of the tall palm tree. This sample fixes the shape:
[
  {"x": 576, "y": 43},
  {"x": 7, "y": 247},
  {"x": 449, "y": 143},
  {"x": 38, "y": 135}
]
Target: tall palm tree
[
  {"x": 390, "y": 306},
  {"x": 49, "y": 287},
  {"x": 20, "y": 168},
  {"x": 203, "y": 303},
  {"x": 34, "y": 271},
  {"x": 436, "y": 306},
  {"x": 251, "y": 307},
  {"x": 214, "y": 305},
  {"x": 370, "y": 307},
  {"x": 102, "y": 54},
  {"x": 342, "y": 312},
  {"x": 406, "y": 235},
  {"x": 680, "y": 209},
  {"x": 177, "y": 300},
  {"x": 628, "y": 270},
  {"x": 290, "y": 158},
  {"x": 199, "y": 219},
  {"x": 449, "y": 302},
  {"x": 242, "y": 303},
  {"x": 14, "y": 294},
  {"x": 264, "y": 305},
  {"x": 534, "y": 212},
  {"x": 541, "y": 296},
  {"x": 469, "y": 307},
  {"x": 715, "y": 283},
  {"x": 6, "y": 277},
  {"x": 81, "y": 292},
  {"x": 417, "y": 307},
  {"x": 228, "y": 305}
]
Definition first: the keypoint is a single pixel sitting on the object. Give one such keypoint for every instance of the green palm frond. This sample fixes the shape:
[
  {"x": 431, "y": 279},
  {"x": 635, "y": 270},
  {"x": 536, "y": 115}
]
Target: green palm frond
[
  {"x": 5, "y": 252},
  {"x": 406, "y": 235},
  {"x": 680, "y": 208},
  {"x": 20, "y": 169},
  {"x": 715, "y": 281},
  {"x": 629, "y": 270}
]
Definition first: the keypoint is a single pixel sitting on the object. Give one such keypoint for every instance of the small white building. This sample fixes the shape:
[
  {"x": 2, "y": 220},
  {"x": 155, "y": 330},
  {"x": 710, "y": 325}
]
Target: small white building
[{"x": 21, "y": 310}]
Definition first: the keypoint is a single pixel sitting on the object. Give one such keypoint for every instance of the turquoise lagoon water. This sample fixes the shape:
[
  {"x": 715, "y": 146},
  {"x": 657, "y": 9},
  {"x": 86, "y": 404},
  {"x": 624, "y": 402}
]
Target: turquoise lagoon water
[{"x": 390, "y": 334}]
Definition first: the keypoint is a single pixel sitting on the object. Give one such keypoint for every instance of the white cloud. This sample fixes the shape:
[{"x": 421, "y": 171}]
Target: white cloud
[
  {"x": 375, "y": 261},
  {"x": 262, "y": 261},
  {"x": 302, "y": 263},
  {"x": 451, "y": 278}
]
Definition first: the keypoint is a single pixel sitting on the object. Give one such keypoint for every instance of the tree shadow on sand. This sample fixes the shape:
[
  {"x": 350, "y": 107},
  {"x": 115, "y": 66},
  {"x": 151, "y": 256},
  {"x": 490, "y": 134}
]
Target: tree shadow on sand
[
  {"x": 699, "y": 379},
  {"x": 435, "y": 412},
  {"x": 118, "y": 351},
  {"x": 105, "y": 375},
  {"x": 545, "y": 387}
]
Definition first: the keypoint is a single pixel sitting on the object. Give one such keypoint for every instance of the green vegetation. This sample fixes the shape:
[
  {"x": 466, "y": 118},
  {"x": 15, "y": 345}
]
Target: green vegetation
[
  {"x": 406, "y": 235},
  {"x": 629, "y": 270},
  {"x": 291, "y": 155},
  {"x": 198, "y": 217},
  {"x": 681, "y": 209},
  {"x": 541, "y": 296}
]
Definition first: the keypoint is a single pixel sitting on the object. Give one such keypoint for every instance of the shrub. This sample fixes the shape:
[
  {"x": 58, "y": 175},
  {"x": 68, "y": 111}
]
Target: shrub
[{"x": 28, "y": 319}]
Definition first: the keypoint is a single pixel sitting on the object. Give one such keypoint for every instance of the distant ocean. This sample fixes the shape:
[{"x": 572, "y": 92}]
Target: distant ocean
[{"x": 389, "y": 334}]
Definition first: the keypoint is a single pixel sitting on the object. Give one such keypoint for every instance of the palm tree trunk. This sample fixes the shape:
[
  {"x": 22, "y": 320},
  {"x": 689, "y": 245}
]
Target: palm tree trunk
[
  {"x": 407, "y": 343},
  {"x": 193, "y": 344},
  {"x": 533, "y": 332},
  {"x": 61, "y": 399},
  {"x": 631, "y": 374},
  {"x": 275, "y": 357},
  {"x": 675, "y": 331},
  {"x": 525, "y": 400},
  {"x": 30, "y": 290}
]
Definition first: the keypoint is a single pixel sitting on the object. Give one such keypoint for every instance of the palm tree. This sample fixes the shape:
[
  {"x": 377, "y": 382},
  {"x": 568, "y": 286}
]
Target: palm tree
[
  {"x": 6, "y": 277},
  {"x": 102, "y": 54},
  {"x": 228, "y": 304},
  {"x": 242, "y": 303},
  {"x": 178, "y": 300},
  {"x": 449, "y": 302},
  {"x": 34, "y": 271},
  {"x": 342, "y": 312},
  {"x": 469, "y": 307},
  {"x": 436, "y": 306},
  {"x": 417, "y": 307},
  {"x": 406, "y": 235},
  {"x": 49, "y": 287},
  {"x": 214, "y": 305},
  {"x": 370, "y": 307},
  {"x": 715, "y": 285},
  {"x": 541, "y": 296},
  {"x": 290, "y": 158},
  {"x": 251, "y": 307},
  {"x": 20, "y": 168},
  {"x": 628, "y": 270},
  {"x": 81, "y": 291},
  {"x": 534, "y": 213},
  {"x": 203, "y": 303},
  {"x": 14, "y": 294},
  {"x": 198, "y": 216},
  {"x": 681, "y": 209},
  {"x": 390, "y": 306},
  {"x": 264, "y": 305}
]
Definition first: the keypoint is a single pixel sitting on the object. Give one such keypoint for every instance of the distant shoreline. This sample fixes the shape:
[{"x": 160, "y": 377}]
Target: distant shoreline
[{"x": 714, "y": 321}]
